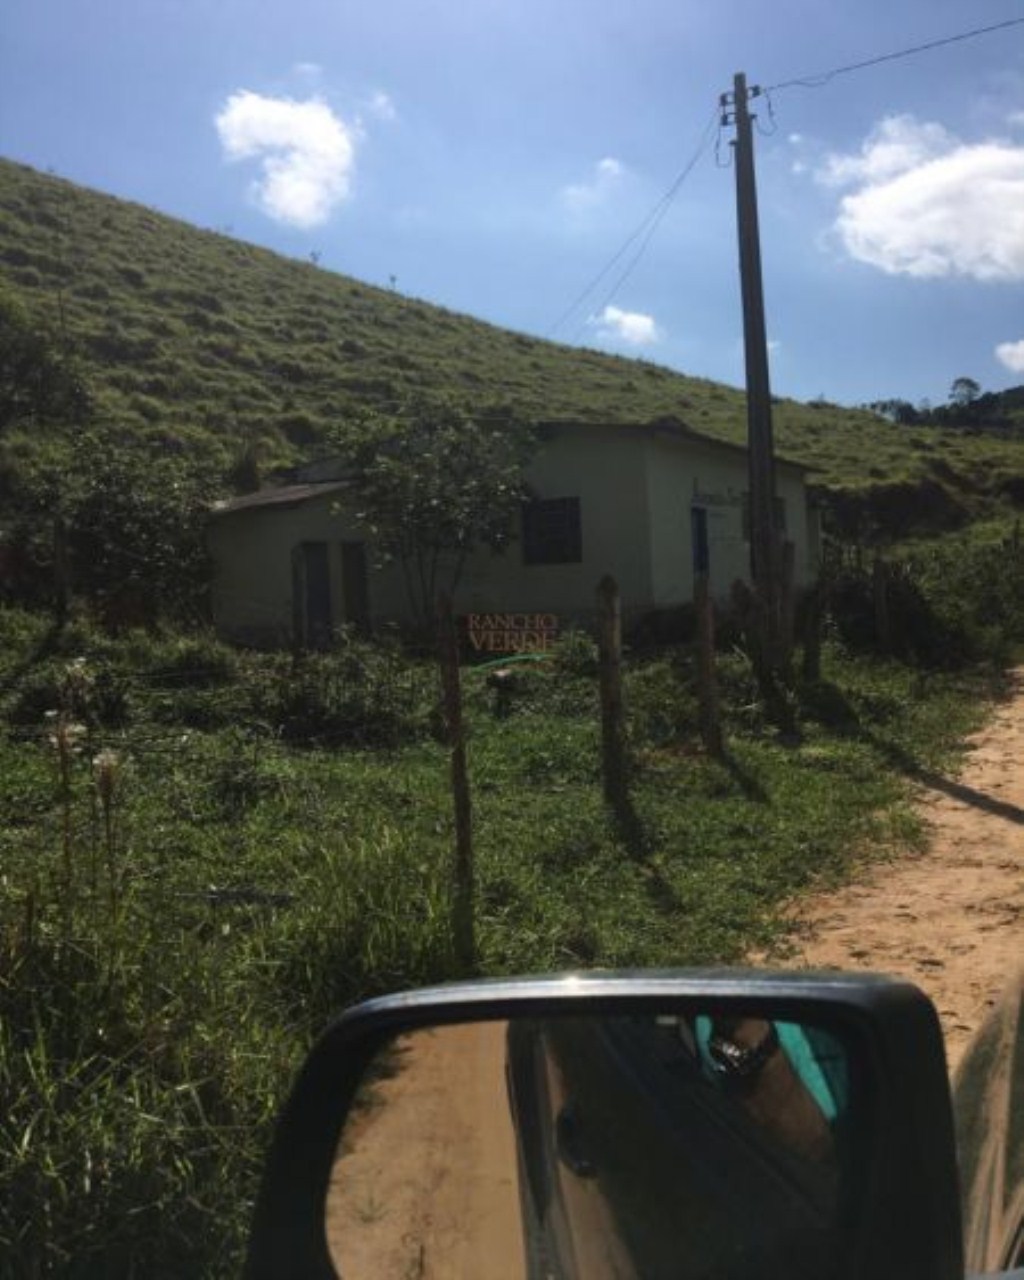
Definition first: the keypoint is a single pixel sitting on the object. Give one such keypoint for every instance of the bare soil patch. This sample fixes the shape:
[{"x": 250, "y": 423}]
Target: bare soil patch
[{"x": 951, "y": 918}]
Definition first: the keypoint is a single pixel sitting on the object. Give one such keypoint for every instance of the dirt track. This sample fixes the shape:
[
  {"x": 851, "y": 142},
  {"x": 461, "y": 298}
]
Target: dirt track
[
  {"x": 428, "y": 1187},
  {"x": 950, "y": 919}
]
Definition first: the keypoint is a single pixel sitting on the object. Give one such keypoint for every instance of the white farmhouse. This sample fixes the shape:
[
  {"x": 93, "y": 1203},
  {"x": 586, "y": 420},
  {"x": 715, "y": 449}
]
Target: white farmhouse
[{"x": 651, "y": 505}]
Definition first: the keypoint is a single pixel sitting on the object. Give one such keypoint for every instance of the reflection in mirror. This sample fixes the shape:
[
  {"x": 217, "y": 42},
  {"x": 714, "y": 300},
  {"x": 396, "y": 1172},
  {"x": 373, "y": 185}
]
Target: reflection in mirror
[{"x": 582, "y": 1146}]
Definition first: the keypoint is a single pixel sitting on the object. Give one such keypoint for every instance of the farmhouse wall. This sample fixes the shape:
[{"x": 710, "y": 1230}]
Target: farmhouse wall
[
  {"x": 252, "y": 555},
  {"x": 635, "y": 492},
  {"x": 606, "y": 472}
]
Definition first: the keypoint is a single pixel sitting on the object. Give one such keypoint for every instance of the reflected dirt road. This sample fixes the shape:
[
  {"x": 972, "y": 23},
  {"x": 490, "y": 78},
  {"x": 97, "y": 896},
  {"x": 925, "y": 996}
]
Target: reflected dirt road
[{"x": 427, "y": 1185}]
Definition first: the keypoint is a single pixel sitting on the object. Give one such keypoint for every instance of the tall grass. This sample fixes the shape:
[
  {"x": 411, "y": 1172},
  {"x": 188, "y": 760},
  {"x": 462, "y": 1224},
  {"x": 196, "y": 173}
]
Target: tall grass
[{"x": 186, "y": 899}]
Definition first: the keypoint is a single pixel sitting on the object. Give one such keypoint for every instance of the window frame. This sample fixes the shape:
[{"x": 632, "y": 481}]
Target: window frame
[{"x": 552, "y": 531}]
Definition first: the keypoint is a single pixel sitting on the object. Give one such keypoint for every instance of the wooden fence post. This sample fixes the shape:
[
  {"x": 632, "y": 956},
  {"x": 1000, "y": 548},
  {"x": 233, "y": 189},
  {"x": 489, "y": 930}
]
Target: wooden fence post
[
  {"x": 463, "y": 931},
  {"x": 613, "y": 731},
  {"x": 707, "y": 684}
]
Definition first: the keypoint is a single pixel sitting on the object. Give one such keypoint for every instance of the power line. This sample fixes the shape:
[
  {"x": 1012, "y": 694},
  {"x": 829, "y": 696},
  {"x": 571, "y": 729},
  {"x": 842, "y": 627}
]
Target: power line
[
  {"x": 643, "y": 232},
  {"x": 821, "y": 78}
]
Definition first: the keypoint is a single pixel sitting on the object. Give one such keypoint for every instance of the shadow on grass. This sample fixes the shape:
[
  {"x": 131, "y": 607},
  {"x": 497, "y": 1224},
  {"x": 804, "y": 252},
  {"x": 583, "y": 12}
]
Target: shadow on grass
[
  {"x": 639, "y": 842},
  {"x": 46, "y": 647},
  {"x": 836, "y": 710},
  {"x": 907, "y": 765},
  {"x": 744, "y": 779},
  {"x": 630, "y": 827}
]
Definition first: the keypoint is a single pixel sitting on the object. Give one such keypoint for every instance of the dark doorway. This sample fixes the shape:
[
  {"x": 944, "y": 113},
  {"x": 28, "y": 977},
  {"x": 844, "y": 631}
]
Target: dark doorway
[
  {"x": 311, "y": 596},
  {"x": 699, "y": 540},
  {"x": 355, "y": 587}
]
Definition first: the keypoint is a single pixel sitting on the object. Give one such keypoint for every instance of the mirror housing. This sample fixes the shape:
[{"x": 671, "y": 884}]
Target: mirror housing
[{"x": 909, "y": 1206}]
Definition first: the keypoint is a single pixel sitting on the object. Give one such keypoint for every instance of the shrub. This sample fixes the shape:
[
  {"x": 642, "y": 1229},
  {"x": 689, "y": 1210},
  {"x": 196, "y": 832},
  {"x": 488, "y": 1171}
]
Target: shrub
[
  {"x": 947, "y": 605},
  {"x": 196, "y": 662},
  {"x": 94, "y": 695},
  {"x": 38, "y": 693},
  {"x": 661, "y": 704},
  {"x": 575, "y": 653},
  {"x": 363, "y": 694}
]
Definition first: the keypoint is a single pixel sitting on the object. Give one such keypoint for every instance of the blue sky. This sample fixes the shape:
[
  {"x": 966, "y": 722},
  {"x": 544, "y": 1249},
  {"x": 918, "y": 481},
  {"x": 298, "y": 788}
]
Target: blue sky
[{"x": 493, "y": 155}]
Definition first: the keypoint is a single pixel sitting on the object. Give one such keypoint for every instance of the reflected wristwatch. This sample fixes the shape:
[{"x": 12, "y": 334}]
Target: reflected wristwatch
[{"x": 742, "y": 1062}]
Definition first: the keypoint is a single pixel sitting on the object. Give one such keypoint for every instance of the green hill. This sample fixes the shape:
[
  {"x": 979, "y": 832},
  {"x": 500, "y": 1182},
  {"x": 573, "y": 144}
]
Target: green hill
[{"x": 206, "y": 344}]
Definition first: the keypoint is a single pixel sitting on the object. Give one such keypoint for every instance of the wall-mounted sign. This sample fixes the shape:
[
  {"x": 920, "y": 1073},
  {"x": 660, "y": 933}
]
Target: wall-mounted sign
[
  {"x": 511, "y": 632},
  {"x": 727, "y": 497}
]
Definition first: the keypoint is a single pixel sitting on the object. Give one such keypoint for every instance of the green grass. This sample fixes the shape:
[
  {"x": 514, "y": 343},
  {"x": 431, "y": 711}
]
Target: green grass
[
  {"x": 174, "y": 935},
  {"x": 208, "y": 346}
]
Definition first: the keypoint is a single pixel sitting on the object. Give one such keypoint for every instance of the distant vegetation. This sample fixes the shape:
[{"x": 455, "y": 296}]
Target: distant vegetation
[{"x": 967, "y": 407}]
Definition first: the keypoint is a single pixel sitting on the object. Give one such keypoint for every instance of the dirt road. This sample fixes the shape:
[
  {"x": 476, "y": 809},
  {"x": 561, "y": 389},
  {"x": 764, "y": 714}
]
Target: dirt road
[
  {"x": 427, "y": 1187},
  {"x": 952, "y": 918}
]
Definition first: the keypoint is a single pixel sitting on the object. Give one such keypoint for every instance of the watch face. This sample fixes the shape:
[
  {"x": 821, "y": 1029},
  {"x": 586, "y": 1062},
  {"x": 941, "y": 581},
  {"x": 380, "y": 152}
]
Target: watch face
[{"x": 731, "y": 1058}]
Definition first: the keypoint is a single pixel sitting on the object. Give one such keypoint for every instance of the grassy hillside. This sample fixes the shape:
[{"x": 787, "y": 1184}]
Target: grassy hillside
[{"x": 202, "y": 342}]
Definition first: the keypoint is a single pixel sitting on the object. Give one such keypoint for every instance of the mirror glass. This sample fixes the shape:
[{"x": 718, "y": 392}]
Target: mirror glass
[{"x": 678, "y": 1146}]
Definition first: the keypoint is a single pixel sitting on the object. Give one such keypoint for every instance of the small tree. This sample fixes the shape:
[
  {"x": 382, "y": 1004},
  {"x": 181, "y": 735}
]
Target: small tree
[
  {"x": 963, "y": 392},
  {"x": 38, "y": 386},
  {"x": 131, "y": 523},
  {"x": 435, "y": 482},
  {"x": 901, "y": 412},
  {"x": 135, "y": 523}
]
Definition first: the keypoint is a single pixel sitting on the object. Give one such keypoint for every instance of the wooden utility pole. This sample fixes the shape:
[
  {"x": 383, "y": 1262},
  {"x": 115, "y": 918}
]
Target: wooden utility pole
[{"x": 765, "y": 556}]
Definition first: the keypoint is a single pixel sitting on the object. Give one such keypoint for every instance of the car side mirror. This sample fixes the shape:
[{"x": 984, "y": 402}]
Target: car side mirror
[{"x": 686, "y": 1124}]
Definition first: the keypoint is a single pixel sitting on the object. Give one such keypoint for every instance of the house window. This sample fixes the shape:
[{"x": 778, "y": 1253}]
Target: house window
[
  {"x": 552, "y": 531},
  {"x": 780, "y": 516}
]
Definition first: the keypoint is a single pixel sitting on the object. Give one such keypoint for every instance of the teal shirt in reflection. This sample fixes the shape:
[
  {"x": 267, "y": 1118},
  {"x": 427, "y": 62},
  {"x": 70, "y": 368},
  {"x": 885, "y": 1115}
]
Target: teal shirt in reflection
[{"x": 816, "y": 1056}]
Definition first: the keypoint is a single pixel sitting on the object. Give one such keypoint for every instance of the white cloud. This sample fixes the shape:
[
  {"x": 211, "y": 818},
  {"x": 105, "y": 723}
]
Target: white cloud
[
  {"x": 927, "y": 204},
  {"x": 306, "y": 154},
  {"x": 898, "y": 144},
  {"x": 605, "y": 178},
  {"x": 631, "y": 327},
  {"x": 310, "y": 71},
  {"x": 381, "y": 106},
  {"x": 1011, "y": 354}
]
